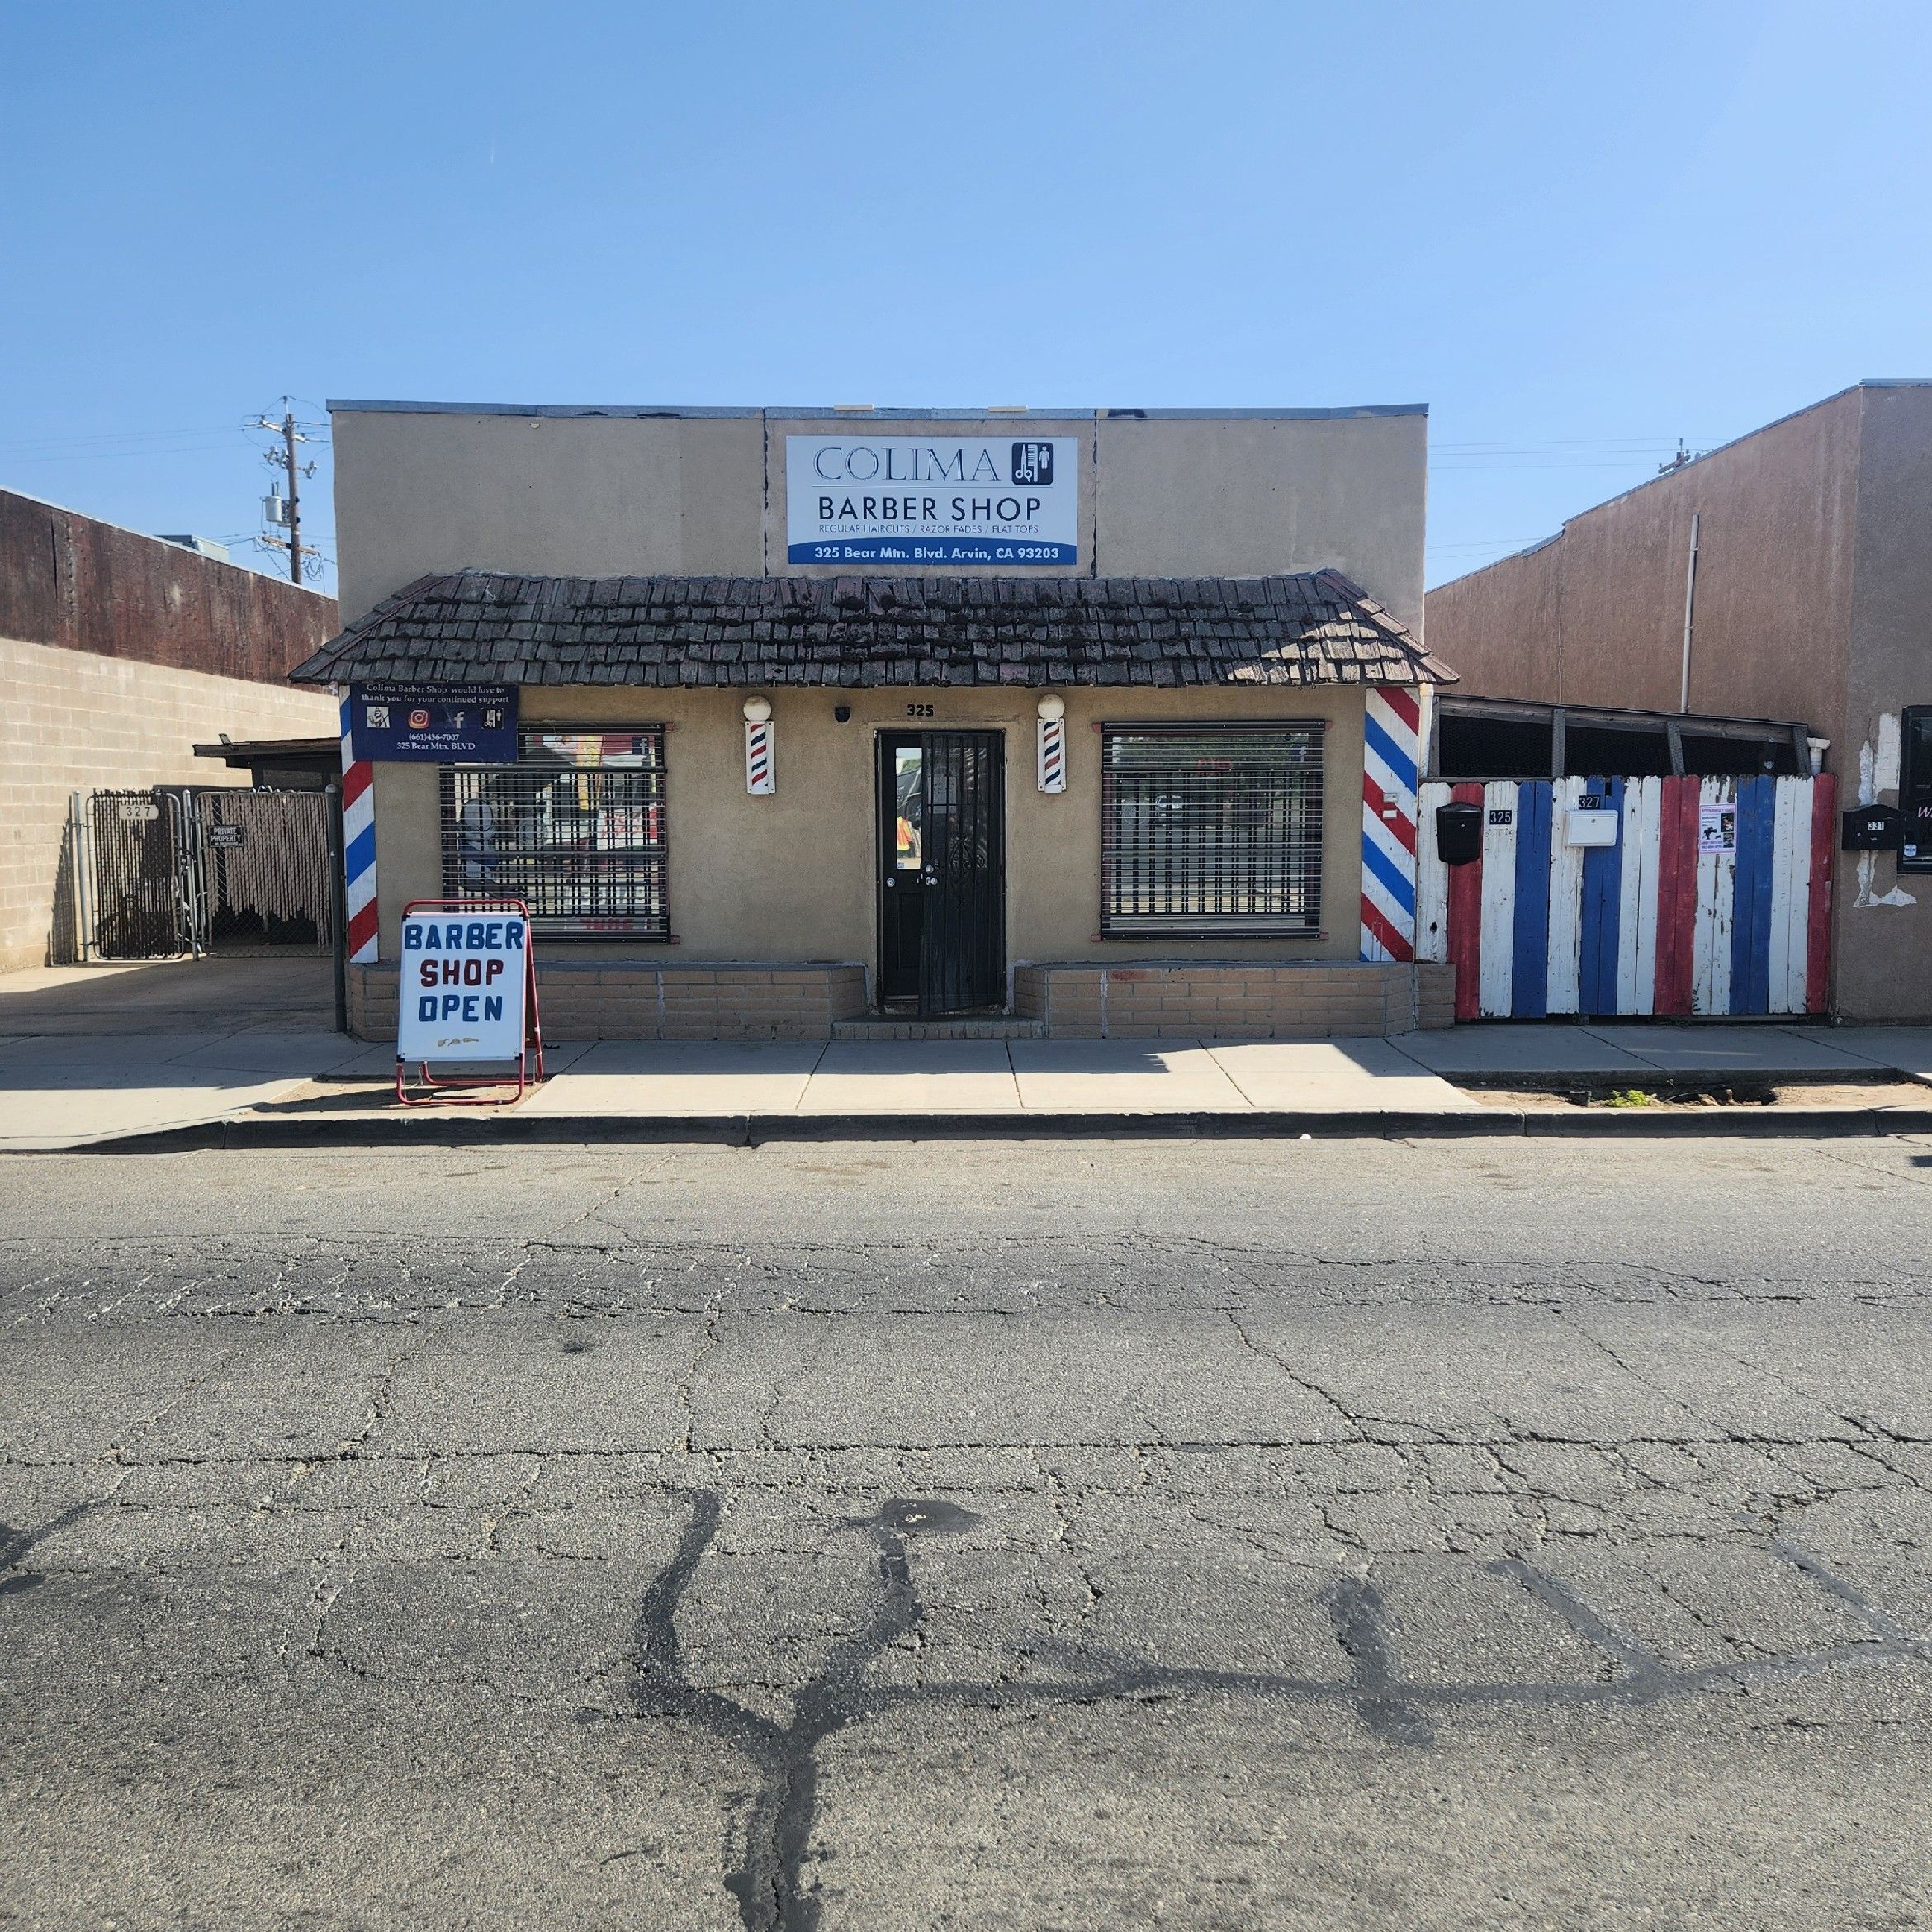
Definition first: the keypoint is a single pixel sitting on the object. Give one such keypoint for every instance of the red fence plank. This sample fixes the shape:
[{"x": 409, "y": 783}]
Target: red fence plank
[{"x": 1677, "y": 894}]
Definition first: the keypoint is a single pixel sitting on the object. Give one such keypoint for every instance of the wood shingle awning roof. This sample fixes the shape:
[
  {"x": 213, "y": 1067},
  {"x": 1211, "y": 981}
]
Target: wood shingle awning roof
[{"x": 482, "y": 626}]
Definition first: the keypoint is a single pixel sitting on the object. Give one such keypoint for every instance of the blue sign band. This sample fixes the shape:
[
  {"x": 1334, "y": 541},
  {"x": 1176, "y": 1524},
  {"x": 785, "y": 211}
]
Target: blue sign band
[{"x": 1009, "y": 552}]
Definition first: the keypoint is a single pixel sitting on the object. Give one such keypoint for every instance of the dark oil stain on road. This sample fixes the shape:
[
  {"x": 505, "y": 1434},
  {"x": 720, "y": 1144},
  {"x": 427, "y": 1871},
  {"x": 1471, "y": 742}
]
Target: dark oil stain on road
[{"x": 938, "y": 1518}]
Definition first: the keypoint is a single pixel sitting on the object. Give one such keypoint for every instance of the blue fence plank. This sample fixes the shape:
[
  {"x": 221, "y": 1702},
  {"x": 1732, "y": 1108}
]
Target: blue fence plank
[
  {"x": 1529, "y": 965},
  {"x": 1750, "y": 916},
  {"x": 1602, "y": 872}
]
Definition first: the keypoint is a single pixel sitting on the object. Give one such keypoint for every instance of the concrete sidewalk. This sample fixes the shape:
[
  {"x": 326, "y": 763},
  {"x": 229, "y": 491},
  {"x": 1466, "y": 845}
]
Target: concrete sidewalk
[{"x": 242, "y": 1041}]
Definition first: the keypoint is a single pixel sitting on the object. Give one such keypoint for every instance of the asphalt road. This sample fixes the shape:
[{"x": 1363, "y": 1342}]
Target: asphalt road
[{"x": 1312, "y": 1534}]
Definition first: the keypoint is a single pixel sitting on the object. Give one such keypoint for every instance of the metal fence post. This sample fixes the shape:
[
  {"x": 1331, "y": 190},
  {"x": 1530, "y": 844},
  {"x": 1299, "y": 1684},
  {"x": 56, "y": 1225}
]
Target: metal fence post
[
  {"x": 76, "y": 811},
  {"x": 338, "y": 906}
]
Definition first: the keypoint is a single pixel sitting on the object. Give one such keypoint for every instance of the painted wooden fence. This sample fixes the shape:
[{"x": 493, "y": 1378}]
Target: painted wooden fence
[{"x": 1715, "y": 897}]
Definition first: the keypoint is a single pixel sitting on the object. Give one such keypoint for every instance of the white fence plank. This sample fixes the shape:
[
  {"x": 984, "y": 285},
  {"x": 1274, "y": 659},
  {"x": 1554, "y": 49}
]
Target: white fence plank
[
  {"x": 1716, "y": 893},
  {"x": 1636, "y": 926},
  {"x": 1498, "y": 898},
  {"x": 1803, "y": 803},
  {"x": 1565, "y": 899},
  {"x": 1431, "y": 879}
]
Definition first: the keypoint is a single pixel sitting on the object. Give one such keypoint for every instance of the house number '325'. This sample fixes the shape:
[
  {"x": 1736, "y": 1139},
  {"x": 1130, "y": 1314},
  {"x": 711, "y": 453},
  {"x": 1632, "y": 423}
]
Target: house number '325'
[{"x": 919, "y": 711}]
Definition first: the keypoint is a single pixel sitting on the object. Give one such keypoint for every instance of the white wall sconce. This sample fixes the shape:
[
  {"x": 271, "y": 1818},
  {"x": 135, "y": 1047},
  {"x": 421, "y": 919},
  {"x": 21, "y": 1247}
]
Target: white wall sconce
[
  {"x": 1053, "y": 743},
  {"x": 761, "y": 763}
]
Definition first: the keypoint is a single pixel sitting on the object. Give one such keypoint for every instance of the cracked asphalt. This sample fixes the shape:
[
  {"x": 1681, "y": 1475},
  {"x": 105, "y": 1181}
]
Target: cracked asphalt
[{"x": 1245, "y": 1535}]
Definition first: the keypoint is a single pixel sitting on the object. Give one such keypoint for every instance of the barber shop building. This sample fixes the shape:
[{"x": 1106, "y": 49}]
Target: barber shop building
[{"x": 785, "y": 722}]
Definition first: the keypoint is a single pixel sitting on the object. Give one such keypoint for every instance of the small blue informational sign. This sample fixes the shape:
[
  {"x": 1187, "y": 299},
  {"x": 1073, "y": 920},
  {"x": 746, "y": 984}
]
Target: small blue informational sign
[
  {"x": 463, "y": 982},
  {"x": 434, "y": 724}
]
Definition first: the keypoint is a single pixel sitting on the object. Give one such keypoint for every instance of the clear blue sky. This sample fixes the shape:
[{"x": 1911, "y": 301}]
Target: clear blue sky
[{"x": 1577, "y": 232}]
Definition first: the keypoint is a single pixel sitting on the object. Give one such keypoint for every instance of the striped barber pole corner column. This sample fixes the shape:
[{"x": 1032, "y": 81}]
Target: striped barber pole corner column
[
  {"x": 1053, "y": 754},
  {"x": 1391, "y": 766},
  {"x": 358, "y": 849},
  {"x": 761, "y": 772}
]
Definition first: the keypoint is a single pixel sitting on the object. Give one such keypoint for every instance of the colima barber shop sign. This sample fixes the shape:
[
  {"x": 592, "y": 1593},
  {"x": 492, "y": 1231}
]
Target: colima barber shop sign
[{"x": 1009, "y": 501}]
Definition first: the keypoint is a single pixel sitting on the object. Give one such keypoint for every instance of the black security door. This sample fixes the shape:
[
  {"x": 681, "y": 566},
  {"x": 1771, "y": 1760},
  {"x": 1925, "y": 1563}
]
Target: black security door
[{"x": 942, "y": 879}]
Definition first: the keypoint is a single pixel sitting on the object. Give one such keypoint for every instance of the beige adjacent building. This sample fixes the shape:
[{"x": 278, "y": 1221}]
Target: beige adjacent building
[
  {"x": 1786, "y": 576},
  {"x": 118, "y": 652},
  {"x": 1045, "y": 719}
]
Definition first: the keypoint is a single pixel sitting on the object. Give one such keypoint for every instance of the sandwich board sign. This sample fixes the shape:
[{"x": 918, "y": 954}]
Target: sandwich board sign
[{"x": 468, "y": 994}]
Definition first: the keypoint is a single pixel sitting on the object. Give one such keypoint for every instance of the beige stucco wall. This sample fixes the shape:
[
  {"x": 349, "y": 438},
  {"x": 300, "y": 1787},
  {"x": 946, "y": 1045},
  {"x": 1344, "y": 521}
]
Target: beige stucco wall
[
  {"x": 71, "y": 721},
  {"x": 1248, "y": 496},
  {"x": 793, "y": 876},
  {"x": 1595, "y": 616},
  {"x": 591, "y": 496},
  {"x": 611, "y": 495},
  {"x": 1884, "y": 937}
]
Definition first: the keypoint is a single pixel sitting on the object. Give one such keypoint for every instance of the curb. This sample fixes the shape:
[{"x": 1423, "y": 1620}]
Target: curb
[{"x": 381, "y": 1130}]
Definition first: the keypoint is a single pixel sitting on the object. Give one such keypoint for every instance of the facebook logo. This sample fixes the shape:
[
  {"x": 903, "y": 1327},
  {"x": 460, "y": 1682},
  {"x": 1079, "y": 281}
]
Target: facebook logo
[{"x": 1033, "y": 462}]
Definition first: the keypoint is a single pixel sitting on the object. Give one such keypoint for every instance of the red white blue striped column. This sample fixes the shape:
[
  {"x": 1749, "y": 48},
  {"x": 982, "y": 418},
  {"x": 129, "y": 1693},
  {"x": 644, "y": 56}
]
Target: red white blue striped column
[
  {"x": 358, "y": 848},
  {"x": 1391, "y": 769}
]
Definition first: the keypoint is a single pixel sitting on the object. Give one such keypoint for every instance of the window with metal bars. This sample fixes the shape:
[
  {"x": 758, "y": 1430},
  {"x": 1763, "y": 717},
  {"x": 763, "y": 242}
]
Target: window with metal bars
[
  {"x": 575, "y": 829},
  {"x": 1214, "y": 830}
]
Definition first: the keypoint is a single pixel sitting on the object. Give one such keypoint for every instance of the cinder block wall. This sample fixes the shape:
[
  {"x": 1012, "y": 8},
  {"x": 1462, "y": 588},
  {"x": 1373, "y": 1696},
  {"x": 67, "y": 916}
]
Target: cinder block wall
[{"x": 73, "y": 721}]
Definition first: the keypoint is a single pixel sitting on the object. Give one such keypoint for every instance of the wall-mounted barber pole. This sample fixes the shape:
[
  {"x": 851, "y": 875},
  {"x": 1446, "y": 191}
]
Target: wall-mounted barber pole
[
  {"x": 1052, "y": 743},
  {"x": 1634, "y": 896},
  {"x": 1391, "y": 765},
  {"x": 358, "y": 847},
  {"x": 761, "y": 771}
]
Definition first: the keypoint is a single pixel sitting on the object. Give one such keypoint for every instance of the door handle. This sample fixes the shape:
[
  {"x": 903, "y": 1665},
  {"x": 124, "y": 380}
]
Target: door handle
[{"x": 930, "y": 879}]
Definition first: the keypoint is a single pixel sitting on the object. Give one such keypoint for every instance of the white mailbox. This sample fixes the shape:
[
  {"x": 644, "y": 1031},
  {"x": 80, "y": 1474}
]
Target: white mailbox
[{"x": 1593, "y": 828}]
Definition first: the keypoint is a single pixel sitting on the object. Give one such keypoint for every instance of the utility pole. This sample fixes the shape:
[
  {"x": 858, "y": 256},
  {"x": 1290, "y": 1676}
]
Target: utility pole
[
  {"x": 294, "y": 499},
  {"x": 286, "y": 512}
]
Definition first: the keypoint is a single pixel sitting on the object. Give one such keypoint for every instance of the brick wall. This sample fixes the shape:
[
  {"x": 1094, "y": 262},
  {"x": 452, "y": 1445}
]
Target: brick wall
[
  {"x": 638, "y": 999},
  {"x": 74, "y": 721},
  {"x": 75, "y": 582},
  {"x": 1234, "y": 999}
]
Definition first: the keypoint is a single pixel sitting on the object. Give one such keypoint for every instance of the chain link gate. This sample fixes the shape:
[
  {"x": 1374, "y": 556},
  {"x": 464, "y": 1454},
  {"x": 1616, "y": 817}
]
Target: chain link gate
[
  {"x": 258, "y": 869},
  {"x": 132, "y": 901},
  {"x": 200, "y": 870}
]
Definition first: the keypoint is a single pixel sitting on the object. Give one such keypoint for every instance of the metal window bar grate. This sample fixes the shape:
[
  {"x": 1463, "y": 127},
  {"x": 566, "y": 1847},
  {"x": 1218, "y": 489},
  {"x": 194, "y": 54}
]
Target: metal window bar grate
[
  {"x": 1214, "y": 830},
  {"x": 575, "y": 829}
]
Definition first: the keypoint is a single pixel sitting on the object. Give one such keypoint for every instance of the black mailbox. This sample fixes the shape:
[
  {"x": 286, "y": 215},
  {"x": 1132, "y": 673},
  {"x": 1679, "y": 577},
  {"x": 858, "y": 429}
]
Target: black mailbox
[
  {"x": 1459, "y": 833},
  {"x": 1873, "y": 828}
]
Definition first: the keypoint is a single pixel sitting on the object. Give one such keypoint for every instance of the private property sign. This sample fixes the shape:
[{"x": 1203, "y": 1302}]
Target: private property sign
[
  {"x": 910, "y": 501},
  {"x": 463, "y": 982}
]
